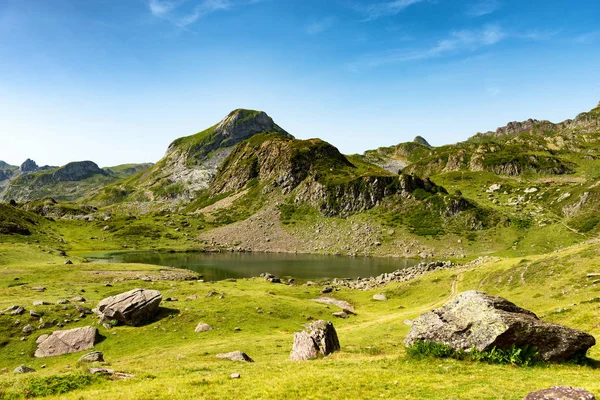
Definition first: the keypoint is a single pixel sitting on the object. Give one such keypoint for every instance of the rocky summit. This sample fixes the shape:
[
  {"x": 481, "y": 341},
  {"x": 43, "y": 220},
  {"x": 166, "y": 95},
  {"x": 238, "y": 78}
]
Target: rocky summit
[{"x": 481, "y": 321}]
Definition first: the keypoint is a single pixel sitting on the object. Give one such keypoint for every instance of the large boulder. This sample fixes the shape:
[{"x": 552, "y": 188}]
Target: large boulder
[
  {"x": 481, "y": 321},
  {"x": 561, "y": 393},
  {"x": 63, "y": 342},
  {"x": 319, "y": 337},
  {"x": 133, "y": 308}
]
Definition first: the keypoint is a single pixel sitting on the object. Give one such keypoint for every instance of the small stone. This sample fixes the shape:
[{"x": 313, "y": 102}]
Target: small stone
[
  {"x": 27, "y": 329},
  {"x": 380, "y": 297},
  {"x": 327, "y": 289},
  {"x": 34, "y": 314},
  {"x": 68, "y": 262},
  {"x": 40, "y": 303},
  {"x": 237, "y": 329},
  {"x": 235, "y": 376},
  {"x": 340, "y": 314},
  {"x": 202, "y": 327},
  {"x": 23, "y": 370},
  {"x": 78, "y": 299},
  {"x": 38, "y": 289},
  {"x": 235, "y": 356},
  {"x": 95, "y": 356},
  {"x": 62, "y": 301}
]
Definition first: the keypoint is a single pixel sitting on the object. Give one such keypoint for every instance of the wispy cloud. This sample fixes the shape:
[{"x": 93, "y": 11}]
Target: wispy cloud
[
  {"x": 184, "y": 13},
  {"x": 483, "y": 7},
  {"x": 457, "y": 41},
  {"x": 587, "y": 37},
  {"x": 385, "y": 8},
  {"x": 320, "y": 26}
]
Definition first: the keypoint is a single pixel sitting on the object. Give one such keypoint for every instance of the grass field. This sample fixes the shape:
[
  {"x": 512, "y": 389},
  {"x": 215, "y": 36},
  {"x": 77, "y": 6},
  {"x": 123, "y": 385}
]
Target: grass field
[{"x": 170, "y": 361}]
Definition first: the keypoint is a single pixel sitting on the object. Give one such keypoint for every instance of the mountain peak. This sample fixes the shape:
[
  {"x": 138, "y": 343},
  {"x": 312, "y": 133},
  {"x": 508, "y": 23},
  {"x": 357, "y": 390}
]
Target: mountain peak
[
  {"x": 421, "y": 140},
  {"x": 241, "y": 124},
  {"x": 28, "y": 166}
]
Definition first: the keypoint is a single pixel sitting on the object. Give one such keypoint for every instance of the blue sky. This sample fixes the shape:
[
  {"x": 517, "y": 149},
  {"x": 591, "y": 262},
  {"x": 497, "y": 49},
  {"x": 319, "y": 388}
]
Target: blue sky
[{"x": 117, "y": 81}]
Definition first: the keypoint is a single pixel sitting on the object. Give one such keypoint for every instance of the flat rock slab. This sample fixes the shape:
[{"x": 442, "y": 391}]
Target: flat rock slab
[
  {"x": 63, "y": 342},
  {"x": 133, "y": 308},
  {"x": 561, "y": 393},
  {"x": 380, "y": 297},
  {"x": 481, "y": 321},
  {"x": 319, "y": 337},
  {"x": 344, "y": 305},
  {"x": 23, "y": 369},
  {"x": 235, "y": 356},
  {"x": 94, "y": 356}
]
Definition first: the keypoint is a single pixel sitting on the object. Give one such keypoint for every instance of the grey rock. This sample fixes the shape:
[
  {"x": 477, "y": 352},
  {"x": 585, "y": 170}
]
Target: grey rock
[
  {"x": 78, "y": 299},
  {"x": 319, "y": 337},
  {"x": 478, "y": 320},
  {"x": 235, "y": 376},
  {"x": 94, "y": 356},
  {"x": 561, "y": 393},
  {"x": 340, "y": 314},
  {"x": 235, "y": 356},
  {"x": 68, "y": 262},
  {"x": 380, "y": 297},
  {"x": 27, "y": 329},
  {"x": 344, "y": 305},
  {"x": 14, "y": 310},
  {"x": 34, "y": 314},
  {"x": 40, "y": 303},
  {"x": 62, "y": 301},
  {"x": 202, "y": 327},
  {"x": 133, "y": 308},
  {"x": 327, "y": 289},
  {"x": 63, "y": 342},
  {"x": 22, "y": 369}
]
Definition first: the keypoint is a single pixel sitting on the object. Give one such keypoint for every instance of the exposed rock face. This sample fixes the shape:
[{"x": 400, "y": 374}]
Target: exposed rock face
[
  {"x": 63, "y": 342},
  {"x": 319, "y": 337},
  {"x": 28, "y": 166},
  {"x": 561, "y": 393},
  {"x": 475, "y": 319},
  {"x": 23, "y": 369},
  {"x": 235, "y": 356},
  {"x": 133, "y": 308},
  {"x": 77, "y": 171}
]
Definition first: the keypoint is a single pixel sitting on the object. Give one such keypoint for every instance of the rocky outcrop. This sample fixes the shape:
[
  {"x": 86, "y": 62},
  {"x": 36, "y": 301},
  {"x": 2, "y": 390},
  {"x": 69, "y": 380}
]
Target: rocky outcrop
[
  {"x": 63, "y": 342},
  {"x": 561, "y": 393},
  {"x": 319, "y": 337},
  {"x": 133, "y": 308},
  {"x": 77, "y": 171},
  {"x": 421, "y": 140},
  {"x": 481, "y": 321},
  {"x": 28, "y": 166},
  {"x": 93, "y": 357}
]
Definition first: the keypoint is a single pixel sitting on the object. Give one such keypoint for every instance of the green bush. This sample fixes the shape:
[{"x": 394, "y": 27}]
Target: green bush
[
  {"x": 517, "y": 355},
  {"x": 52, "y": 385}
]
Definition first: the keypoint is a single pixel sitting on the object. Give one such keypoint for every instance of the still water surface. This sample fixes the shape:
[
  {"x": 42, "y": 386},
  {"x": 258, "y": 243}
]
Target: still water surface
[{"x": 218, "y": 266}]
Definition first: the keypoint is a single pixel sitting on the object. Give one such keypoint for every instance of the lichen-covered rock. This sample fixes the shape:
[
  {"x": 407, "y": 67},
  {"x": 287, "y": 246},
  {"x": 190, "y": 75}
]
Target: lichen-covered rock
[
  {"x": 133, "y": 308},
  {"x": 203, "y": 327},
  {"x": 63, "y": 342},
  {"x": 319, "y": 337},
  {"x": 481, "y": 321},
  {"x": 561, "y": 393},
  {"x": 23, "y": 369},
  {"x": 235, "y": 356},
  {"x": 94, "y": 356}
]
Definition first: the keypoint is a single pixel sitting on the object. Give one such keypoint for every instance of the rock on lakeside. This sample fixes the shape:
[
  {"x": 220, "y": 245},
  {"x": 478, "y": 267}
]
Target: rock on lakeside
[
  {"x": 478, "y": 320},
  {"x": 400, "y": 275}
]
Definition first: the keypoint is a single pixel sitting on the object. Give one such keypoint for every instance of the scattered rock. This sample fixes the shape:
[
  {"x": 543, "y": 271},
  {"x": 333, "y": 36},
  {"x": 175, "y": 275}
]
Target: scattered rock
[
  {"x": 14, "y": 310},
  {"x": 494, "y": 188},
  {"x": 478, "y": 320},
  {"x": 237, "y": 329},
  {"x": 380, "y": 297},
  {"x": 171, "y": 299},
  {"x": 62, "y": 301},
  {"x": 68, "y": 262},
  {"x": 340, "y": 314},
  {"x": 63, "y": 342},
  {"x": 561, "y": 393},
  {"x": 319, "y": 337},
  {"x": 40, "y": 303},
  {"x": 28, "y": 329},
  {"x": 22, "y": 369},
  {"x": 103, "y": 371},
  {"x": 202, "y": 327},
  {"x": 34, "y": 314},
  {"x": 78, "y": 299},
  {"x": 327, "y": 289},
  {"x": 235, "y": 376},
  {"x": 132, "y": 308},
  {"x": 235, "y": 356},
  {"x": 38, "y": 289},
  {"x": 94, "y": 356},
  {"x": 344, "y": 305}
]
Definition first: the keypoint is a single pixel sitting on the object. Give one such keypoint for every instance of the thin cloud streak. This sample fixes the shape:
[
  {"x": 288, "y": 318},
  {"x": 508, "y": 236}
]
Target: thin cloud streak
[
  {"x": 386, "y": 9},
  {"x": 320, "y": 26},
  {"x": 483, "y": 7},
  {"x": 167, "y": 10},
  {"x": 464, "y": 40}
]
